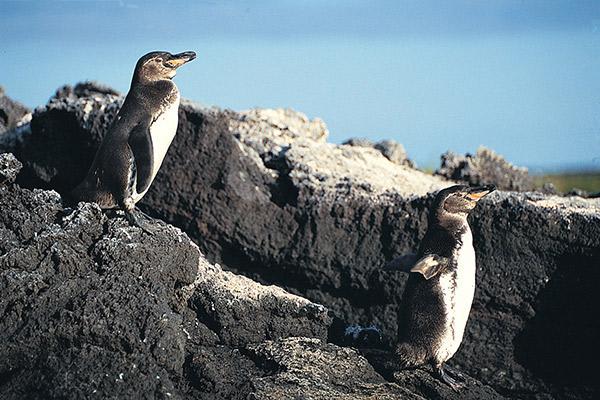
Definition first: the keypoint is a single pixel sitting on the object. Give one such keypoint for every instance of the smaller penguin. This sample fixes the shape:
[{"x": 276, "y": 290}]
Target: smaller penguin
[
  {"x": 439, "y": 291},
  {"x": 136, "y": 143}
]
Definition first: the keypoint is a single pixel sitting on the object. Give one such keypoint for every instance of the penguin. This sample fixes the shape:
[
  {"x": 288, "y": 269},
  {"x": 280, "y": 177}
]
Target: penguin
[
  {"x": 438, "y": 295},
  {"x": 135, "y": 145}
]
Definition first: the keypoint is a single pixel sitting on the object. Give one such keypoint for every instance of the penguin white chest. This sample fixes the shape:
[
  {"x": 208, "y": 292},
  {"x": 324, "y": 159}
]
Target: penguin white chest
[
  {"x": 162, "y": 132},
  {"x": 458, "y": 289}
]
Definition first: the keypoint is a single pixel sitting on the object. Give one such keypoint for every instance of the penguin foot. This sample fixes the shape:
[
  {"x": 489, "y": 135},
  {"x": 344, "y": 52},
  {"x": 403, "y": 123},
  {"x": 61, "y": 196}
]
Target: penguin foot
[
  {"x": 133, "y": 221},
  {"x": 447, "y": 379}
]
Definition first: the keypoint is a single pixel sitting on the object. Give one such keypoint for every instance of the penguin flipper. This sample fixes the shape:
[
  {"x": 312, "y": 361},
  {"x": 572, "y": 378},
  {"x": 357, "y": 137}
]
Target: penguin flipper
[
  {"x": 403, "y": 263},
  {"x": 140, "y": 143},
  {"x": 430, "y": 265}
]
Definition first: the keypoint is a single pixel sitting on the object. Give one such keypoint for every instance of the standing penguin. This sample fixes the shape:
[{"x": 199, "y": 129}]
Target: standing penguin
[
  {"x": 136, "y": 143},
  {"x": 439, "y": 291}
]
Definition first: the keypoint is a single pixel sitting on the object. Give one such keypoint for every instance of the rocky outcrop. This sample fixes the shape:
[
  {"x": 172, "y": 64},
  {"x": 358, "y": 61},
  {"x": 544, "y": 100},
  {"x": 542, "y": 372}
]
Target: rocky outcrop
[
  {"x": 85, "y": 89},
  {"x": 309, "y": 369},
  {"x": 484, "y": 168},
  {"x": 12, "y": 113},
  {"x": 265, "y": 195},
  {"x": 390, "y": 149},
  {"x": 92, "y": 307}
]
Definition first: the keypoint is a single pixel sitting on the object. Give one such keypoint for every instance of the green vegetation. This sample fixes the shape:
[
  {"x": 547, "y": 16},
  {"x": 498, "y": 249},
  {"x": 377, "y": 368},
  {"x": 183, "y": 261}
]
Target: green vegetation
[{"x": 588, "y": 181}]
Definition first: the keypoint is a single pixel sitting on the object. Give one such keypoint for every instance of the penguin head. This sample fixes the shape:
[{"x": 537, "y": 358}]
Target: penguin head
[
  {"x": 160, "y": 65},
  {"x": 459, "y": 200}
]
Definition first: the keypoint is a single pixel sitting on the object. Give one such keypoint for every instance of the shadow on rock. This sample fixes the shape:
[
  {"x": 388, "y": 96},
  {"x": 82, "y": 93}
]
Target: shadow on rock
[{"x": 555, "y": 344}]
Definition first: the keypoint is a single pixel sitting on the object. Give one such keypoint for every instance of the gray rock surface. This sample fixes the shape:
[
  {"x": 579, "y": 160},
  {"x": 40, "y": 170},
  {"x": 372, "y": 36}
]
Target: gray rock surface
[
  {"x": 9, "y": 168},
  {"x": 390, "y": 149},
  {"x": 85, "y": 89},
  {"x": 484, "y": 168},
  {"x": 320, "y": 220},
  {"x": 309, "y": 369},
  {"x": 91, "y": 307},
  {"x": 12, "y": 113},
  {"x": 230, "y": 305}
]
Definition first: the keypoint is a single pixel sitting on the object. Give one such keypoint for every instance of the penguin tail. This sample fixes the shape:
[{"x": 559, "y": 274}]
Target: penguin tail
[{"x": 409, "y": 355}]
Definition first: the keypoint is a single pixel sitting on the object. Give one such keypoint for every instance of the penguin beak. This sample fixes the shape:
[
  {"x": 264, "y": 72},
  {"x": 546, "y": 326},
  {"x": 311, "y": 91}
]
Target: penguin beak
[
  {"x": 477, "y": 193},
  {"x": 177, "y": 60}
]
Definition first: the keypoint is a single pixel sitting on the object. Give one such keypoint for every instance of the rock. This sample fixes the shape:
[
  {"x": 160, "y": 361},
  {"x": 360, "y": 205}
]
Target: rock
[
  {"x": 360, "y": 337},
  {"x": 535, "y": 254},
  {"x": 549, "y": 188},
  {"x": 359, "y": 142},
  {"x": 85, "y": 89},
  {"x": 394, "y": 152},
  {"x": 309, "y": 369},
  {"x": 342, "y": 170},
  {"x": 223, "y": 301},
  {"x": 485, "y": 168},
  {"x": 66, "y": 125},
  {"x": 390, "y": 149},
  {"x": 421, "y": 383},
  {"x": 320, "y": 220},
  {"x": 12, "y": 113},
  {"x": 582, "y": 193},
  {"x": 9, "y": 168},
  {"x": 88, "y": 306},
  {"x": 92, "y": 307},
  {"x": 265, "y": 129}
]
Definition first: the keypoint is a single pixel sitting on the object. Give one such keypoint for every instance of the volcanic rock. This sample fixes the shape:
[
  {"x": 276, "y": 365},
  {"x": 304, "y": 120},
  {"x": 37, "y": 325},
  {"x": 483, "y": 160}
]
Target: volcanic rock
[
  {"x": 84, "y": 89},
  {"x": 484, "y": 168},
  {"x": 309, "y": 369},
  {"x": 319, "y": 220},
  {"x": 92, "y": 307},
  {"x": 12, "y": 113},
  {"x": 390, "y": 149}
]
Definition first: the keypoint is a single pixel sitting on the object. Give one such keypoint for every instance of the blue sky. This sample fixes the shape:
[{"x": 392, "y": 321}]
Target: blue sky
[{"x": 521, "y": 77}]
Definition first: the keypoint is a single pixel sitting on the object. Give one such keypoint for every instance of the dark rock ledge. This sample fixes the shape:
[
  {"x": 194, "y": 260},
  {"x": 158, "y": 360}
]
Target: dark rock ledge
[
  {"x": 93, "y": 308},
  {"x": 262, "y": 193}
]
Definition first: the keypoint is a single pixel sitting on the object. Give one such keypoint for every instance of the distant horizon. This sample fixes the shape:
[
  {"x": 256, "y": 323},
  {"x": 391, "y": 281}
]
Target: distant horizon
[
  {"x": 567, "y": 168},
  {"x": 536, "y": 170},
  {"x": 522, "y": 79}
]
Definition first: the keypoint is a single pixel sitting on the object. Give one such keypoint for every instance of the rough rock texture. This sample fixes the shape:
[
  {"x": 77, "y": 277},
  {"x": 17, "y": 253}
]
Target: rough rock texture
[
  {"x": 308, "y": 369},
  {"x": 91, "y": 307},
  {"x": 9, "y": 168},
  {"x": 484, "y": 168},
  {"x": 80, "y": 129},
  {"x": 231, "y": 306},
  {"x": 12, "y": 113},
  {"x": 85, "y": 89},
  {"x": 320, "y": 219},
  {"x": 390, "y": 149},
  {"x": 86, "y": 306}
]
